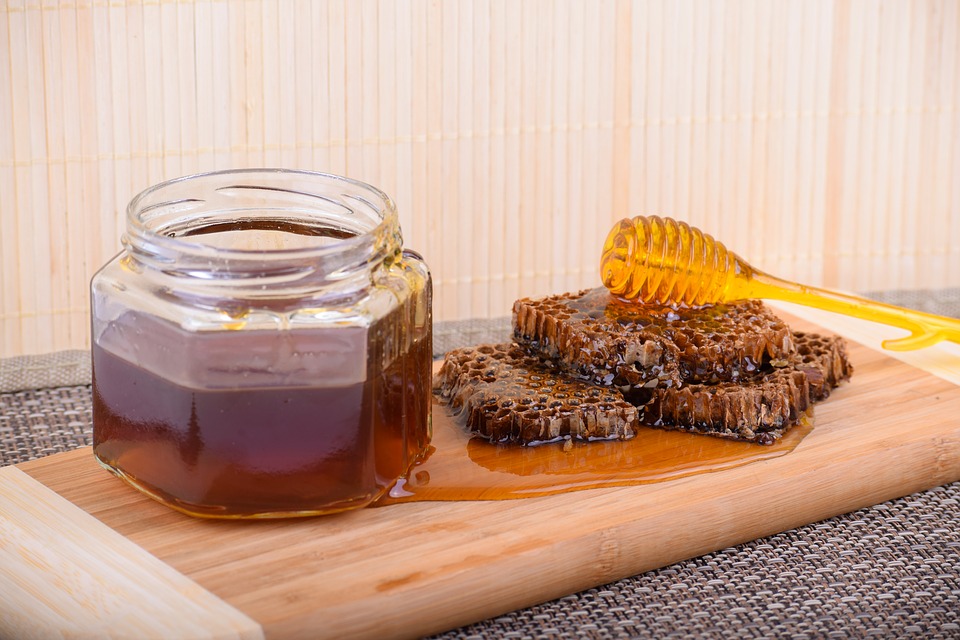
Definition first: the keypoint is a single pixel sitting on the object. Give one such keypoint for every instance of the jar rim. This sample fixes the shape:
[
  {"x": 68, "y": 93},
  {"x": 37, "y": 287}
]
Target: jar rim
[{"x": 140, "y": 231}]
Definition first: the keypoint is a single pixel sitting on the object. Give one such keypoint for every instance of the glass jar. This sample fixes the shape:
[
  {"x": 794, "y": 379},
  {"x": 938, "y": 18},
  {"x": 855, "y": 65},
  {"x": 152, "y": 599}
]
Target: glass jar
[{"x": 262, "y": 346}]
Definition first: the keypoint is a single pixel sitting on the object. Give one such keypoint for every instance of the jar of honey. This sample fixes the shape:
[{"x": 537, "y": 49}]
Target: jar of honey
[{"x": 262, "y": 346}]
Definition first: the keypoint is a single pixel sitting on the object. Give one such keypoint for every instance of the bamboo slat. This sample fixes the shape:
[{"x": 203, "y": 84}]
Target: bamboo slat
[
  {"x": 819, "y": 139},
  {"x": 66, "y": 574}
]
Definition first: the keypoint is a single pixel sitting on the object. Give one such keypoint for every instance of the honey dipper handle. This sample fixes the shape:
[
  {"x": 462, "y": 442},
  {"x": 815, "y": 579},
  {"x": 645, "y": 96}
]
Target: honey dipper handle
[{"x": 926, "y": 329}]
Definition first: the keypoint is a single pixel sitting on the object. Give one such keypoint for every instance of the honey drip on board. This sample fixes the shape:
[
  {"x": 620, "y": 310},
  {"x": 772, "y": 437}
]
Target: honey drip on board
[
  {"x": 663, "y": 261},
  {"x": 465, "y": 467}
]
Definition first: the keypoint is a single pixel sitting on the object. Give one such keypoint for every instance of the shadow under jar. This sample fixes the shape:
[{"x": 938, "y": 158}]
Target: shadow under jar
[{"x": 262, "y": 346}]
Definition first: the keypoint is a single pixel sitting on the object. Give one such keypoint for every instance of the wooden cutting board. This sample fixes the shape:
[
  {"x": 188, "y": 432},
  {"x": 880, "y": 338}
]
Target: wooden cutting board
[{"x": 81, "y": 553}]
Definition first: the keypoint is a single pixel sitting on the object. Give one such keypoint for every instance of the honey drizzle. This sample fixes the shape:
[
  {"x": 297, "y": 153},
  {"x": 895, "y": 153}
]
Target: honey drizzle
[{"x": 462, "y": 467}]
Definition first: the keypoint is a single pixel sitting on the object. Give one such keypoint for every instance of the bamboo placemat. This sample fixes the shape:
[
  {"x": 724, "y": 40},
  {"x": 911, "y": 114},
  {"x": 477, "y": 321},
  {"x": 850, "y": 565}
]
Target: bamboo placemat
[{"x": 818, "y": 139}]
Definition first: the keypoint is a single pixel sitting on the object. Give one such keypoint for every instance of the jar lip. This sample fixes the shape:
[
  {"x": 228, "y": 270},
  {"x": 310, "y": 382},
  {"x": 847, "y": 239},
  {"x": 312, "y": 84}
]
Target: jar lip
[{"x": 142, "y": 232}]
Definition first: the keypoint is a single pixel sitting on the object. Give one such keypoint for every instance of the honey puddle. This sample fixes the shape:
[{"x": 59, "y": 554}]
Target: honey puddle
[{"x": 462, "y": 467}]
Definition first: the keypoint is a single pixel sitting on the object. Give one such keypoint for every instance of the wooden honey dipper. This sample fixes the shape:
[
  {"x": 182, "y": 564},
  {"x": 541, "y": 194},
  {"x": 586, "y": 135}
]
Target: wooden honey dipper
[{"x": 658, "y": 260}]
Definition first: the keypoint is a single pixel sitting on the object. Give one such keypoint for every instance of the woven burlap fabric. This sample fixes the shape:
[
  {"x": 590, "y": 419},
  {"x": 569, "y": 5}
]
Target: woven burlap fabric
[
  {"x": 41, "y": 422},
  {"x": 59, "y": 369},
  {"x": 944, "y": 302}
]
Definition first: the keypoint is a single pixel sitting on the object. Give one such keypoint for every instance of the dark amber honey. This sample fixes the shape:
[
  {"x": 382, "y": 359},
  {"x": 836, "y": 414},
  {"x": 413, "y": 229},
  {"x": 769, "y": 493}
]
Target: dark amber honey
[
  {"x": 469, "y": 468},
  {"x": 289, "y": 450}
]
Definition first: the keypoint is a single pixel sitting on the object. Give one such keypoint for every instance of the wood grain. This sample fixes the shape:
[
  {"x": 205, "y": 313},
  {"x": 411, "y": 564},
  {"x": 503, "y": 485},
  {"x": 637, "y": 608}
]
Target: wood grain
[
  {"x": 65, "y": 574},
  {"x": 412, "y": 569}
]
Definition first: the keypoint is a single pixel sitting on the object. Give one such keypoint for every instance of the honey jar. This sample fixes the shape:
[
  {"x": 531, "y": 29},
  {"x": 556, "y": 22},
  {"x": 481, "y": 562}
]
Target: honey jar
[{"x": 262, "y": 346}]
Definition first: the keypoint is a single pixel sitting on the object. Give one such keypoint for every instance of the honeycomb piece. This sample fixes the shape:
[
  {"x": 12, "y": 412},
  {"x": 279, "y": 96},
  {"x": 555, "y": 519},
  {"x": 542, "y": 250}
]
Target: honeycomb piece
[
  {"x": 507, "y": 395},
  {"x": 599, "y": 338},
  {"x": 824, "y": 360},
  {"x": 761, "y": 407}
]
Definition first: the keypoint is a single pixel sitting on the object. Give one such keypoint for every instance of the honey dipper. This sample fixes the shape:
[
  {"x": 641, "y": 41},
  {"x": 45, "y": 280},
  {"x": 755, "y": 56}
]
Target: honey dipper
[{"x": 662, "y": 261}]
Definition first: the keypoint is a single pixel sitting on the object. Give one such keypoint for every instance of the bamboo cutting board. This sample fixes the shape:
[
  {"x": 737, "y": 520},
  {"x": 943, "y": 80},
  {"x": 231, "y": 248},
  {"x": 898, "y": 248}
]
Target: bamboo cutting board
[{"x": 84, "y": 554}]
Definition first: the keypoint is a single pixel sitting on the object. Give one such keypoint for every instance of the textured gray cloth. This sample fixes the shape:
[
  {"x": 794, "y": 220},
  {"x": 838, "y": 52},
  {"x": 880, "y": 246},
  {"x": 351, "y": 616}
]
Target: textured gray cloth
[
  {"x": 944, "y": 302},
  {"x": 450, "y": 335},
  {"x": 888, "y": 571},
  {"x": 60, "y": 369},
  {"x": 41, "y": 422}
]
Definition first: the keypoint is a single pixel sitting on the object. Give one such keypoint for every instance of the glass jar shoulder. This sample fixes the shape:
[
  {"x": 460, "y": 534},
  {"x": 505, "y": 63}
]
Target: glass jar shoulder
[{"x": 120, "y": 287}]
